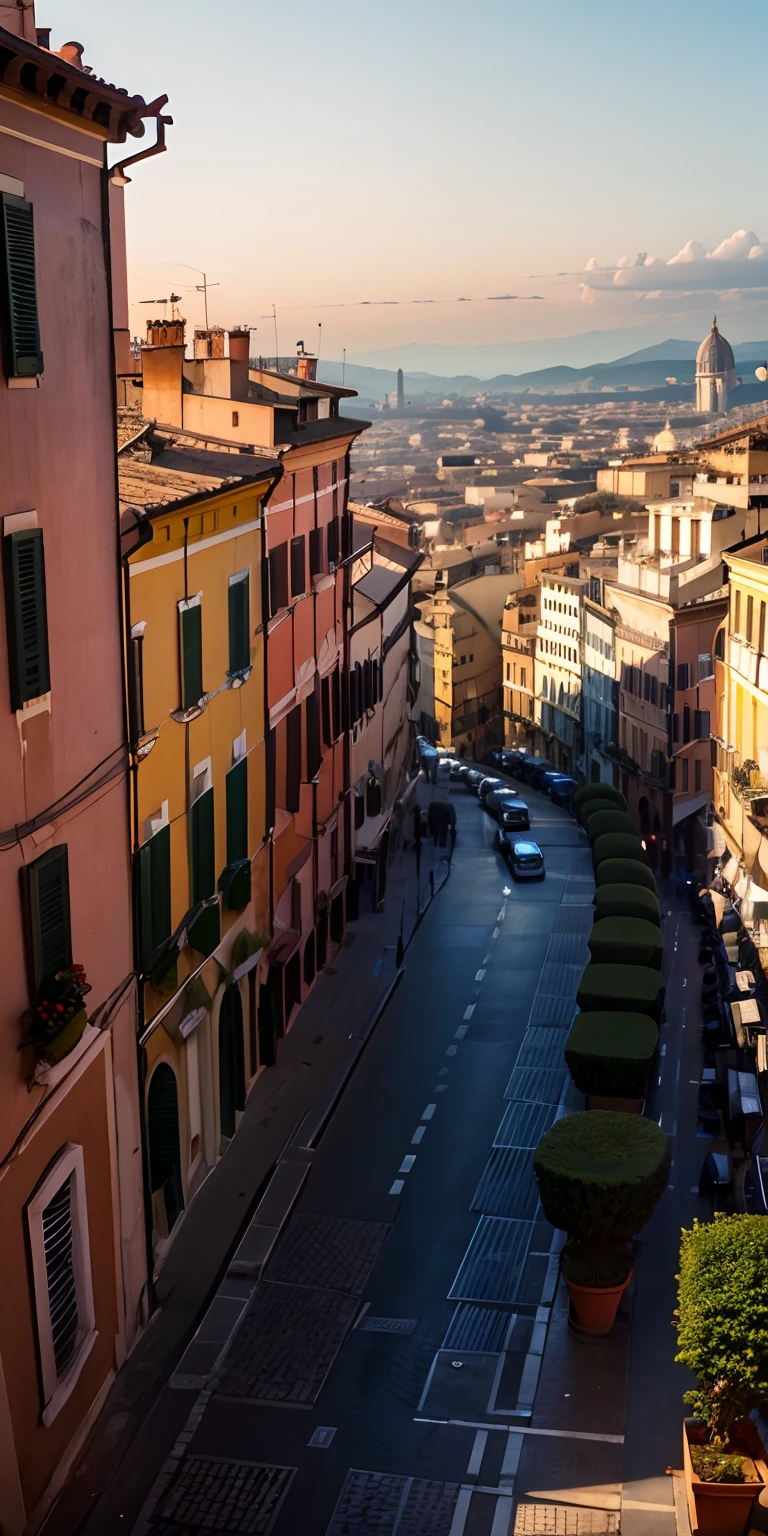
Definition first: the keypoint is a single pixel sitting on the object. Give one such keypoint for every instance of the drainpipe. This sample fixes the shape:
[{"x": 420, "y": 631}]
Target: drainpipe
[{"x": 117, "y": 171}]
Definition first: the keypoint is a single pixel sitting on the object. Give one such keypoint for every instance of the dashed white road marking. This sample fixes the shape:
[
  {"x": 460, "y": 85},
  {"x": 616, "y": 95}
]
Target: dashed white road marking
[
  {"x": 417, "y": 1135},
  {"x": 397, "y": 1187},
  {"x": 459, "y": 1033},
  {"x": 443, "y": 1072},
  {"x": 479, "y": 975},
  {"x": 502, "y": 1520},
  {"x": 407, "y": 1163},
  {"x": 468, "y": 1012},
  {"x": 495, "y": 934},
  {"x": 440, "y": 1088},
  {"x": 461, "y": 1512},
  {"x": 487, "y": 959},
  {"x": 451, "y": 1051},
  {"x": 512, "y": 1453},
  {"x": 478, "y": 1451},
  {"x": 429, "y": 1111}
]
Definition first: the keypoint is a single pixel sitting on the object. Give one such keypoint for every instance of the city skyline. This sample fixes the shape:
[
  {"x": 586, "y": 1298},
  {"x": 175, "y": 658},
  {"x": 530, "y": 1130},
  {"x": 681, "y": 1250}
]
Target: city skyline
[{"x": 500, "y": 173}]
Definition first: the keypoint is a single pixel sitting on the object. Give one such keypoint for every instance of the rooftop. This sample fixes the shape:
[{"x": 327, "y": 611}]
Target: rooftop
[
  {"x": 62, "y": 80},
  {"x": 159, "y": 473}
]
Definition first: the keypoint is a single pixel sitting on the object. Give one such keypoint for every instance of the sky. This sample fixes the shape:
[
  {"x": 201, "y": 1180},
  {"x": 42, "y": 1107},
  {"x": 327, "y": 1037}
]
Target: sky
[{"x": 433, "y": 171}]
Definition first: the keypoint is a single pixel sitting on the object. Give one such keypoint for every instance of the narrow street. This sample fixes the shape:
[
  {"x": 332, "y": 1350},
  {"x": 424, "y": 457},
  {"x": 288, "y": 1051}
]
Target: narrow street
[{"x": 449, "y": 1277}]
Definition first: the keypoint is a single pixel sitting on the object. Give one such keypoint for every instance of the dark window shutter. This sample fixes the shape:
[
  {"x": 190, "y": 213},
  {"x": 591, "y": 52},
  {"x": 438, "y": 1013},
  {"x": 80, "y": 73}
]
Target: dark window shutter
[
  {"x": 686, "y": 723},
  {"x": 136, "y": 687},
  {"x": 359, "y": 811},
  {"x": 202, "y": 847},
  {"x": 333, "y": 541},
  {"x": 237, "y": 811},
  {"x": 367, "y": 685},
  {"x": 60, "y": 1275},
  {"x": 359, "y": 691},
  {"x": 654, "y": 690},
  {"x": 152, "y": 875},
  {"x": 336, "y": 703},
  {"x": 314, "y": 754},
  {"x": 22, "y": 356},
  {"x": 682, "y": 675},
  {"x": 354, "y": 712},
  {"x": 191, "y": 656},
  {"x": 373, "y": 798},
  {"x": 293, "y": 756},
  {"x": 270, "y": 746},
  {"x": 239, "y": 625},
  {"x": 47, "y": 893},
  {"x": 278, "y": 579},
  {"x": 26, "y": 615},
  {"x": 325, "y": 694},
  {"x": 316, "y": 552},
  {"x": 346, "y": 535},
  {"x": 675, "y": 727},
  {"x": 646, "y": 686},
  {"x": 696, "y": 724},
  {"x": 298, "y": 566}
]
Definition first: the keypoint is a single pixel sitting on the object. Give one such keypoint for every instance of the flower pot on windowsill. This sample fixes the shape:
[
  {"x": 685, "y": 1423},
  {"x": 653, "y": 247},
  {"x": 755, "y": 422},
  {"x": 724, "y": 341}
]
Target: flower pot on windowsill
[
  {"x": 719, "y": 1508},
  {"x": 54, "y": 1050}
]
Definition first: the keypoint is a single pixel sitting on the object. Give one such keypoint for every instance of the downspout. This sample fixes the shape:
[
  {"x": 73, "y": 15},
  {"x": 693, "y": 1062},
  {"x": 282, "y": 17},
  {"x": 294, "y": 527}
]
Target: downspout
[{"x": 117, "y": 171}]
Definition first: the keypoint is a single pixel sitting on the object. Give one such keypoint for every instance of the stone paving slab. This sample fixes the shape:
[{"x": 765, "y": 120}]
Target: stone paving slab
[
  {"x": 382, "y": 1503},
  {"x": 287, "y": 1342},
  {"x": 328, "y": 1251},
  {"x": 235, "y": 1498},
  {"x": 562, "y": 1520}
]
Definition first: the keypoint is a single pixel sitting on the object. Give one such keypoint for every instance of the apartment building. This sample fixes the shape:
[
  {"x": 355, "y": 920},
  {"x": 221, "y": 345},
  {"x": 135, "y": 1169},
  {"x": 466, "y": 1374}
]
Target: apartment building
[
  {"x": 600, "y": 695},
  {"x": 466, "y": 624},
  {"x": 558, "y": 664},
  {"x": 518, "y": 659},
  {"x": 741, "y": 732}
]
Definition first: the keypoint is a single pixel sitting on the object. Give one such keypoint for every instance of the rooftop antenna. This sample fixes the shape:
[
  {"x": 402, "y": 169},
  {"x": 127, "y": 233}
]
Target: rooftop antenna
[
  {"x": 343, "y": 365},
  {"x": 319, "y": 338},
  {"x": 174, "y": 299},
  {"x": 277, "y": 349},
  {"x": 198, "y": 287}
]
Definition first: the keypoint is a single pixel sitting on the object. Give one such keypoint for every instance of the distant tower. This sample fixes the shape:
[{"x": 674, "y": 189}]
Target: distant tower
[
  {"x": 715, "y": 373},
  {"x": 400, "y": 390}
]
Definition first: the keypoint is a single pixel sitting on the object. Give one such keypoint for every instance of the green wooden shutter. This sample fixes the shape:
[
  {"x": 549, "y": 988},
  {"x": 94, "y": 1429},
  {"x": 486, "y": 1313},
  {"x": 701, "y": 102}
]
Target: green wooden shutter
[
  {"x": 202, "y": 851},
  {"x": 22, "y": 356},
  {"x": 47, "y": 885},
  {"x": 26, "y": 615},
  {"x": 237, "y": 812},
  {"x": 191, "y": 656},
  {"x": 152, "y": 875},
  {"x": 163, "y": 1137},
  {"x": 239, "y": 625}
]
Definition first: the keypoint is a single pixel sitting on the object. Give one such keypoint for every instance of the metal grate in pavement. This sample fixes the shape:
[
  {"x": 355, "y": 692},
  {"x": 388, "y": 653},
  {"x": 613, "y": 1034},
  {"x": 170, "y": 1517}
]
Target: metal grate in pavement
[
  {"x": 559, "y": 980},
  {"x": 403, "y": 1325},
  {"x": 564, "y": 1520},
  {"x": 327, "y": 1251},
  {"x": 574, "y": 919},
  {"x": 508, "y": 1185},
  {"x": 536, "y": 1084},
  {"x": 478, "y": 1330},
  {"x": 286, "y": 1344},
  {"x": 567, "y": 949},
  {"x": 380, "y": 1503},
  {"x": 494, "y": 1261},
  {"x": 548, "y": 1009},
  {"x": 541, "y": 1048},
  {"x": 210, "y": 1493},
  {"x": 524, "y": 1125}
]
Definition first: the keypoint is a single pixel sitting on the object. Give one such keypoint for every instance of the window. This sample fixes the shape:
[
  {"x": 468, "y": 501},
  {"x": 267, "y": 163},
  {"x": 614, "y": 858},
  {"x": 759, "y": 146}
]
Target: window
[
  {"x": 293, "y": 754},
  {"x": 22, "y": 357},
  {"x": 316, "y": 565},
  {"x": 278, "y": 579},
  {"x": 706, "y": 665},
  {"x": 509, "y": 671},
  {"x": 236, "y": 785},
  {"x": 57, "y": 1223},
  {"x": 152, "y": 892},
  {"x": 684, "y": 766},
  {"x": 736, "y": 613},
  {"x": 333, "y": 539},
  {"x": 750, "y": 616},
  {"x": 522, "y": 677},
  {"x": 136, "y": 682},
  {"x": 683, "y": 676},
  {"x": 46, "y": 895},
  {"x": 239, "y": 623},
  {"x": 298, "y": 573},
  {"x": 191, "y": 647},
  {"x": 700, "y": 724},
  {"x": 202, "y": 854},
  {"x": 270, "y": 781},
  {"x": 697, "y": 775},
  {"x": 761, "y": 630},
  {"x": 336, "y": 703},
  {"x": 312, "y": 713},
  {"x": 235, "y": 418},
  {"x": 26, "y": 615},
  {"x": 325, "y": 697},
  {"x": 686, "y": 724}
]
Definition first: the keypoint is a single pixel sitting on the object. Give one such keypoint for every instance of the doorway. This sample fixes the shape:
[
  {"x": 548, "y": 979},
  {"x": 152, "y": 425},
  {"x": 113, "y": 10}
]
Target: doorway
[
  {"x": 164, "y": 1148},
  {"x": 231, "y": 1061}
]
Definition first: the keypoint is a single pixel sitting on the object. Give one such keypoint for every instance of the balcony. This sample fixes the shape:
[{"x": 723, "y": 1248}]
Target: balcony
[{"x": 747, "y": 661}]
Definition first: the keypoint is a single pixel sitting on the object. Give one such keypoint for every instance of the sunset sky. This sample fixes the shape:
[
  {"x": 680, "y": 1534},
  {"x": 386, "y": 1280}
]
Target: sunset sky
[{"x": 434, "y": 151}]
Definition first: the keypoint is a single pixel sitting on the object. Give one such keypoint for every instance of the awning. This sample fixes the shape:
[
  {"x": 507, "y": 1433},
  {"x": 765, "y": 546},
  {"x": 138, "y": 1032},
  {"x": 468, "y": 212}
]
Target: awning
[
  {"x": 717, "y": 846},
  {"x": 686, "y": 808},
  {"x": 730, "y": 871}
]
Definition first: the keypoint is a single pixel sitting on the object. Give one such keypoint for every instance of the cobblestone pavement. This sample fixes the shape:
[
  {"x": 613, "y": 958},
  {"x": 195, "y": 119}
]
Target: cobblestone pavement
[
  {"x": 232, "y": 1497},
  {"x": 328, "y": 1251},
  {"x": 380, "y": 1504},
  {"x": 286, "y": 1345},
  {"x": 558, "y": 1520}
]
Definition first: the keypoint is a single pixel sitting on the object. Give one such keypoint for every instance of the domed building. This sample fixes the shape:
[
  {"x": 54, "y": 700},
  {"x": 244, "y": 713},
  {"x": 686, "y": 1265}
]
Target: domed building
[
  {"x": 664, "y": 441},
  {"x": 715, "y": 373}
]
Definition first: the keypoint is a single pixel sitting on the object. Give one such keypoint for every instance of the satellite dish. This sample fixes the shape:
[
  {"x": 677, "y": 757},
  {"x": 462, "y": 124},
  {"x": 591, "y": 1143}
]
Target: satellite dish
[{"x": 761, "y": 373}]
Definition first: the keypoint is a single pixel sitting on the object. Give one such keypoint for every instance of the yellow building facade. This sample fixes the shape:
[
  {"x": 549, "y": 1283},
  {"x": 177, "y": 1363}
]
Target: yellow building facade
[{"x": 195, "y": 673}]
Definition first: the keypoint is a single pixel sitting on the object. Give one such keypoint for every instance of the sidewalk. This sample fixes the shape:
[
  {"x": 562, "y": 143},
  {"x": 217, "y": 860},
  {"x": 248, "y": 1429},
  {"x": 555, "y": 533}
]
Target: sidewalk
[{"x": 289, "y": 1101}]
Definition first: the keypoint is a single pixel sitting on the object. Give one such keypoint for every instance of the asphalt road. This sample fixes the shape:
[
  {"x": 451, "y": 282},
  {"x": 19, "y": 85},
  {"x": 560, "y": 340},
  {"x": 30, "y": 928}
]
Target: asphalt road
[{"x": 386, "y": 1218}]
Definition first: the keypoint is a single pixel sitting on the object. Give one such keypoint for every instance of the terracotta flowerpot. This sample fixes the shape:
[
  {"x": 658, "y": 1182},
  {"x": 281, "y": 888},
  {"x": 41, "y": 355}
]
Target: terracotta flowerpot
[
  {"x": 609, "y": 1101},
  {"x": 594, "y": 1307},
  {"x": 54, "y": 1051},
  {"x": 718, "y": 1509}
]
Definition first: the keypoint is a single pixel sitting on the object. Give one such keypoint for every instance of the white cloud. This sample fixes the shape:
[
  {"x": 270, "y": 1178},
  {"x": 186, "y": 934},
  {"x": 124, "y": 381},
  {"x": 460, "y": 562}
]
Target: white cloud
[
  {"x": 692, "y": 251},
  {"x": 736, "y": 263},
  {"x": 587, "y": 295},
  {"x": 737, "y": 248}
]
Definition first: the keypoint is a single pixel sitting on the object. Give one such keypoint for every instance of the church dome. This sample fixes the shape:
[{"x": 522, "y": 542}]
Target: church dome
[
  {"x": 715, "y": 355},
  {"x": 665, "y": 441}
]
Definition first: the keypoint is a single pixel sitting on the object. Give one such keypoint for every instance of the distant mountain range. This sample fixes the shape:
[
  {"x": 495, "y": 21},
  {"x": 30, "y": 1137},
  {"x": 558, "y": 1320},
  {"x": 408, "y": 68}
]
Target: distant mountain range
[{"x": 649, "y": 367}]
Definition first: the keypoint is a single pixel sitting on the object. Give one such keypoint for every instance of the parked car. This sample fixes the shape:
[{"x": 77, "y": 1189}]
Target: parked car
[
  {"x": 499, "y": 796},
  {"x": 456, "y": 766},
  {"x": 493, "y": 757},
  {"x": 550, "y": 780},
  {"x": 529, "y": 767},
  {"x": 563, "y": 791},
  {"x": 445, "y": 763},
  {"x": 525, "y": 860},
  {"x": 485, "y": 786},
  {"x": 537, "y": 776},
  {"x": 513, "y": 813},
  {"x": 472, "y": 778}
]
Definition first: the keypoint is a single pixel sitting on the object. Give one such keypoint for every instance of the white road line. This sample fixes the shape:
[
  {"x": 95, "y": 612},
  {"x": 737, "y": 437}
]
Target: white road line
[
  {"x": 429, "y": 1111},
  {"x": 443, "y": 1072},
  {"x": 487, "y": 959},
  {"x": 440, "y": 1088},
  {"x": 524, "y": 1429},
  {"x": 417, "y": 1135},
  {"x": 468, "y": 1012},
  {"x": 512, "y": 1455},
  {"x": 460, "y": 1513},
  {"x": 451, "y": 1051},
  {"x": 478, "y": 1451},
  {"x": 502, "y": 1520},
  {"x": 458, "y": 1034},
  {"x": 500, "y": 917},
  {"x": 495, "y": 933},
  {"x": 479, "y": 975},
  {"x": 407, "y": 1163},
  {"x": 397, "y": 1187}
]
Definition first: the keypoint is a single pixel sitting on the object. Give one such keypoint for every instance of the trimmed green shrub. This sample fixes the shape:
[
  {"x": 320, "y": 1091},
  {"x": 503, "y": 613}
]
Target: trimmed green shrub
[
  {"x": 611, "y": 1053},
  {"x": 624, "y": 872},
  {"x": 625, "y": 900},
  {"x": 630, "y": 988},
  {"x": 605, "y": 792},
  {"x": 612, "y": 820},
  {"x": 618, "y": 845},
  {"x": 722, "y": 1319},
  {"x": 601, "y": 1175},
  {"x": 626, "y": 941}
]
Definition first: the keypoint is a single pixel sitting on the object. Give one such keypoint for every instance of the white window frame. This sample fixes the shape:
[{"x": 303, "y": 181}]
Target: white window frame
[
  {"x": 202, "y": 779},
  {"x": 57, "y": 1389}
]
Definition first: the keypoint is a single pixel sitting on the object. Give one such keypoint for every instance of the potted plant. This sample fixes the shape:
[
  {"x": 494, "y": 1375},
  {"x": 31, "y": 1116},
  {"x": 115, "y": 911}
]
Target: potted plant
[
  {"x": 601, "y": 1175},
  {"x": 59, "y": 1016},
  {"x": 627, "y": 900},
  {"x": 600, "y": 818},
  {"x": 722, "y": 1331},
  {"x": 609, "y": 1057},
  {"x": 630, "y": 988},
  {"x": 628, "y": 939}
]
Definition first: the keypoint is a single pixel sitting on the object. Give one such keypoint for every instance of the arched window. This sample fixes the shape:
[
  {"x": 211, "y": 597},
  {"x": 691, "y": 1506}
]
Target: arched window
[{"x": 164, "y": 1145}]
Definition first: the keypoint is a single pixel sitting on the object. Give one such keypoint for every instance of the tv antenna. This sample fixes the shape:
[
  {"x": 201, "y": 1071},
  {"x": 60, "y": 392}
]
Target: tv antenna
[
  {"x": 173, "y": 299},
  {"x": 197, "y": 287}
]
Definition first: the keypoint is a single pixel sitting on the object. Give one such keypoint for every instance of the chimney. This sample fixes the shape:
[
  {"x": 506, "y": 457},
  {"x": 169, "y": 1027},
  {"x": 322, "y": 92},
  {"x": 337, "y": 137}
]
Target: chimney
[
  {"x": 162, "y": 367},
  {"x": 209, "y": 343},
  {"x": 20, "y": 20},
  {"x": 240, "y": 344},
  {"x": 306, "y": 366},
  {"x": 72, "y": 53}
]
